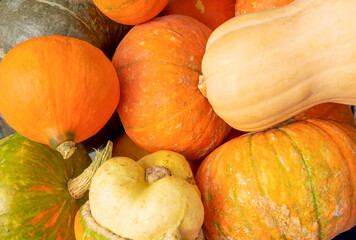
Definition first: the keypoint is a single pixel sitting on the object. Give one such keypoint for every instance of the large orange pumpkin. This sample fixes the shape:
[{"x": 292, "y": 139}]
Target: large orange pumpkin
[
  {"x": 158, "y": 64},
  {"x": 211, "y": 13},
  {"x": 130, "y": 12},
  {"x": 295, "y": 181},
  {"x": 57, "y": 90}
]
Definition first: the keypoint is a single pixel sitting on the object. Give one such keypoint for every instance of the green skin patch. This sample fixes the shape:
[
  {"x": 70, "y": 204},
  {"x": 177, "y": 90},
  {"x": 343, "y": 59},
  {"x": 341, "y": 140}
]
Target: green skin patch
[{"x": 91, "y": 229}]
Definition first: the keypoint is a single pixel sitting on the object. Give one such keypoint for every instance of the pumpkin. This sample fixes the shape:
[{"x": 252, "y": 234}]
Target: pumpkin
[
  {"x": 211, "y": 13},
  {"x": 262, "y": 68},
  {"x": 331, "y": 111},
  {"x": 161, "y": 108},
  {"x": 64, "y": 88},
  {"x": 131, "y": 12},
  {"x": 153, "y": 198},
  {"x": 24, "y": 19},
  {"x": 125, "y": 147},
  {"x": 21, "y": 20},
  {"x": 246, "y": 6},
  {"x": 295, "y": 181},
  {"x": 40, "y": 191}
]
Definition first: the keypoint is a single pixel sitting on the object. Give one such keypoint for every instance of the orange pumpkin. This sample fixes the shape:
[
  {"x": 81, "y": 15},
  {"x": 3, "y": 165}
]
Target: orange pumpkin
[
  {"x": 125, "y": 147},
  {"x": 331, "y": 111},
  {"x": 57, "y": 90},
  {"x": 161, "y": 108},
  {"x": 130, "y": 12},
  {"x": 246, "y": 6},
  {"x": 296, "y": 181},
  {"x": 211, "y": 13}
]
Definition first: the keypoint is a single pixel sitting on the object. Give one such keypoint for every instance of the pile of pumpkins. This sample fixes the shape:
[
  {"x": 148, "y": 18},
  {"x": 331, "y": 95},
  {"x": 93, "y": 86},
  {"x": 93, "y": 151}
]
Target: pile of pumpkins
[{"x": 212, "y": 120}]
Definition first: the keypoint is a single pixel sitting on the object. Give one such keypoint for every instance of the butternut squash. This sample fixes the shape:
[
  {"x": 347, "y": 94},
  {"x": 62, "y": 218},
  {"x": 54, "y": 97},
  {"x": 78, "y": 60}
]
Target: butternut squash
[{"x": 262, "y": 68}]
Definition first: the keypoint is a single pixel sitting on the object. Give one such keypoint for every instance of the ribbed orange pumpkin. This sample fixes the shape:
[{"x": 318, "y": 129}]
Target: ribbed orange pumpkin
[
  {"x": 130, "y": 12},
  {"x": 211, "y": 13},
  {"x": 296, "y": 181},
  {"x": 158, "y": 64},
  {"x": 57, "y": 90},
  {"x": 246, "y": 6}
]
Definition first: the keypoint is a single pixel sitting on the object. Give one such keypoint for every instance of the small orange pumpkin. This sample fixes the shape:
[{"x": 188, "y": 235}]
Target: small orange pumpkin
[
  {"x": 130, "y": 12},
  {"x": 211, "y": 13},
  {"x": 161, "y": 108},
  {"x": 125, "y": 147},
  {"x": 57, "y": 90}
]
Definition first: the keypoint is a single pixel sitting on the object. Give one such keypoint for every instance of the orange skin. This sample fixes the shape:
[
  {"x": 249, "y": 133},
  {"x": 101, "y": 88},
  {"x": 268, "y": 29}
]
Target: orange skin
[
  {"x": 332, "y": 111},
  {"x": 130, "y": 12},
  {"x": 124, "y": 147},
  {"x": 255, "y": 186},
  {"x": 57, "y": 88},
  {"x": 161, "y": 108},
  {"x": 211, "y": 13},
  {"x": 247, "y": 6}
]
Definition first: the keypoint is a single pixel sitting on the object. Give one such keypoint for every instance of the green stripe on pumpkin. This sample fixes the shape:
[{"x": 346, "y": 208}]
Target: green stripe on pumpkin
[{"x": 34, "y": 199}]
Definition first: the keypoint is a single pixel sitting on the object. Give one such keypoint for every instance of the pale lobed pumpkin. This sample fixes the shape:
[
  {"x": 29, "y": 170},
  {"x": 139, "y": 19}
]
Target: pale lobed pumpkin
[{"x": 136, "y": 201}]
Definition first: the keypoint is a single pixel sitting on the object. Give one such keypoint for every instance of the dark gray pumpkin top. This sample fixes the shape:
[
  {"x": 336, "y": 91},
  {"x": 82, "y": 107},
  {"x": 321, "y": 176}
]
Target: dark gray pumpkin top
[{"x": 24, "y": 19}]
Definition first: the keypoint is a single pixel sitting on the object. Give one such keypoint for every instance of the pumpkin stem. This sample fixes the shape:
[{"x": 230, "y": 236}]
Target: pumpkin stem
[
  {"x": 202, "y": 85},
  {"x": 155, "y": 173},
  {"x": 66, "y": 148},
  {"x": 79, "y": 185}
]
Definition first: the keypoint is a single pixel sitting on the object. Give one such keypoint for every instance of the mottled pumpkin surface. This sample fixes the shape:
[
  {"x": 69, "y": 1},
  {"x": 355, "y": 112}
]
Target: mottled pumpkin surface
[
  {"x": 34, "y": 198},
  {"x": 158, "y": 64},
  {"x": 296, "y": 181}
]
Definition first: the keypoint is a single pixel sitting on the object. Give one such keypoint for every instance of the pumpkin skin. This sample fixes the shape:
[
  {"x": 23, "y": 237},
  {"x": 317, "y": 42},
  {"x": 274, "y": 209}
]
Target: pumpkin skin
[
  {"x": 247, "y": 6},
  {"x": 211, "y": 13},
  {"x": 329, "y": 111},
  {"x": 122, "y": 199},
  {"x": 71, "y": 90},
  {"x": 131, "y": 12},
  {"x": 125, "y": 147},
  {"x": 161, "y": 108},
  {"x": 296, "y": 181},
  {"x": 21, "y": 20},
  {"x": 254, "y": 84},
  {"x": 35, "y": 201}
]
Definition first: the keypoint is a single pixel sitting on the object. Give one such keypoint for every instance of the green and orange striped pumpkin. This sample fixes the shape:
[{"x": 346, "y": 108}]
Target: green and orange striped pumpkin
[
  {"x": 34, "y": 199},
  {"x": 296, "y": 181}
]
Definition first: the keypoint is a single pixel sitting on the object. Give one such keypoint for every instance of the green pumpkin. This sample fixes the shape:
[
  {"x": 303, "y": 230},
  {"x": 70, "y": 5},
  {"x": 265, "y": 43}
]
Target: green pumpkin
[
  {"x": 24, "y": 19},
  {"x": 35, "y": 202}
]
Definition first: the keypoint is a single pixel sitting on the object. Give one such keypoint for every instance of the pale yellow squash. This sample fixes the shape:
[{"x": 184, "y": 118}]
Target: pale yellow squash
[
  {"x": 155, "y": 198},
  {"x": 262, "y": 68}
]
